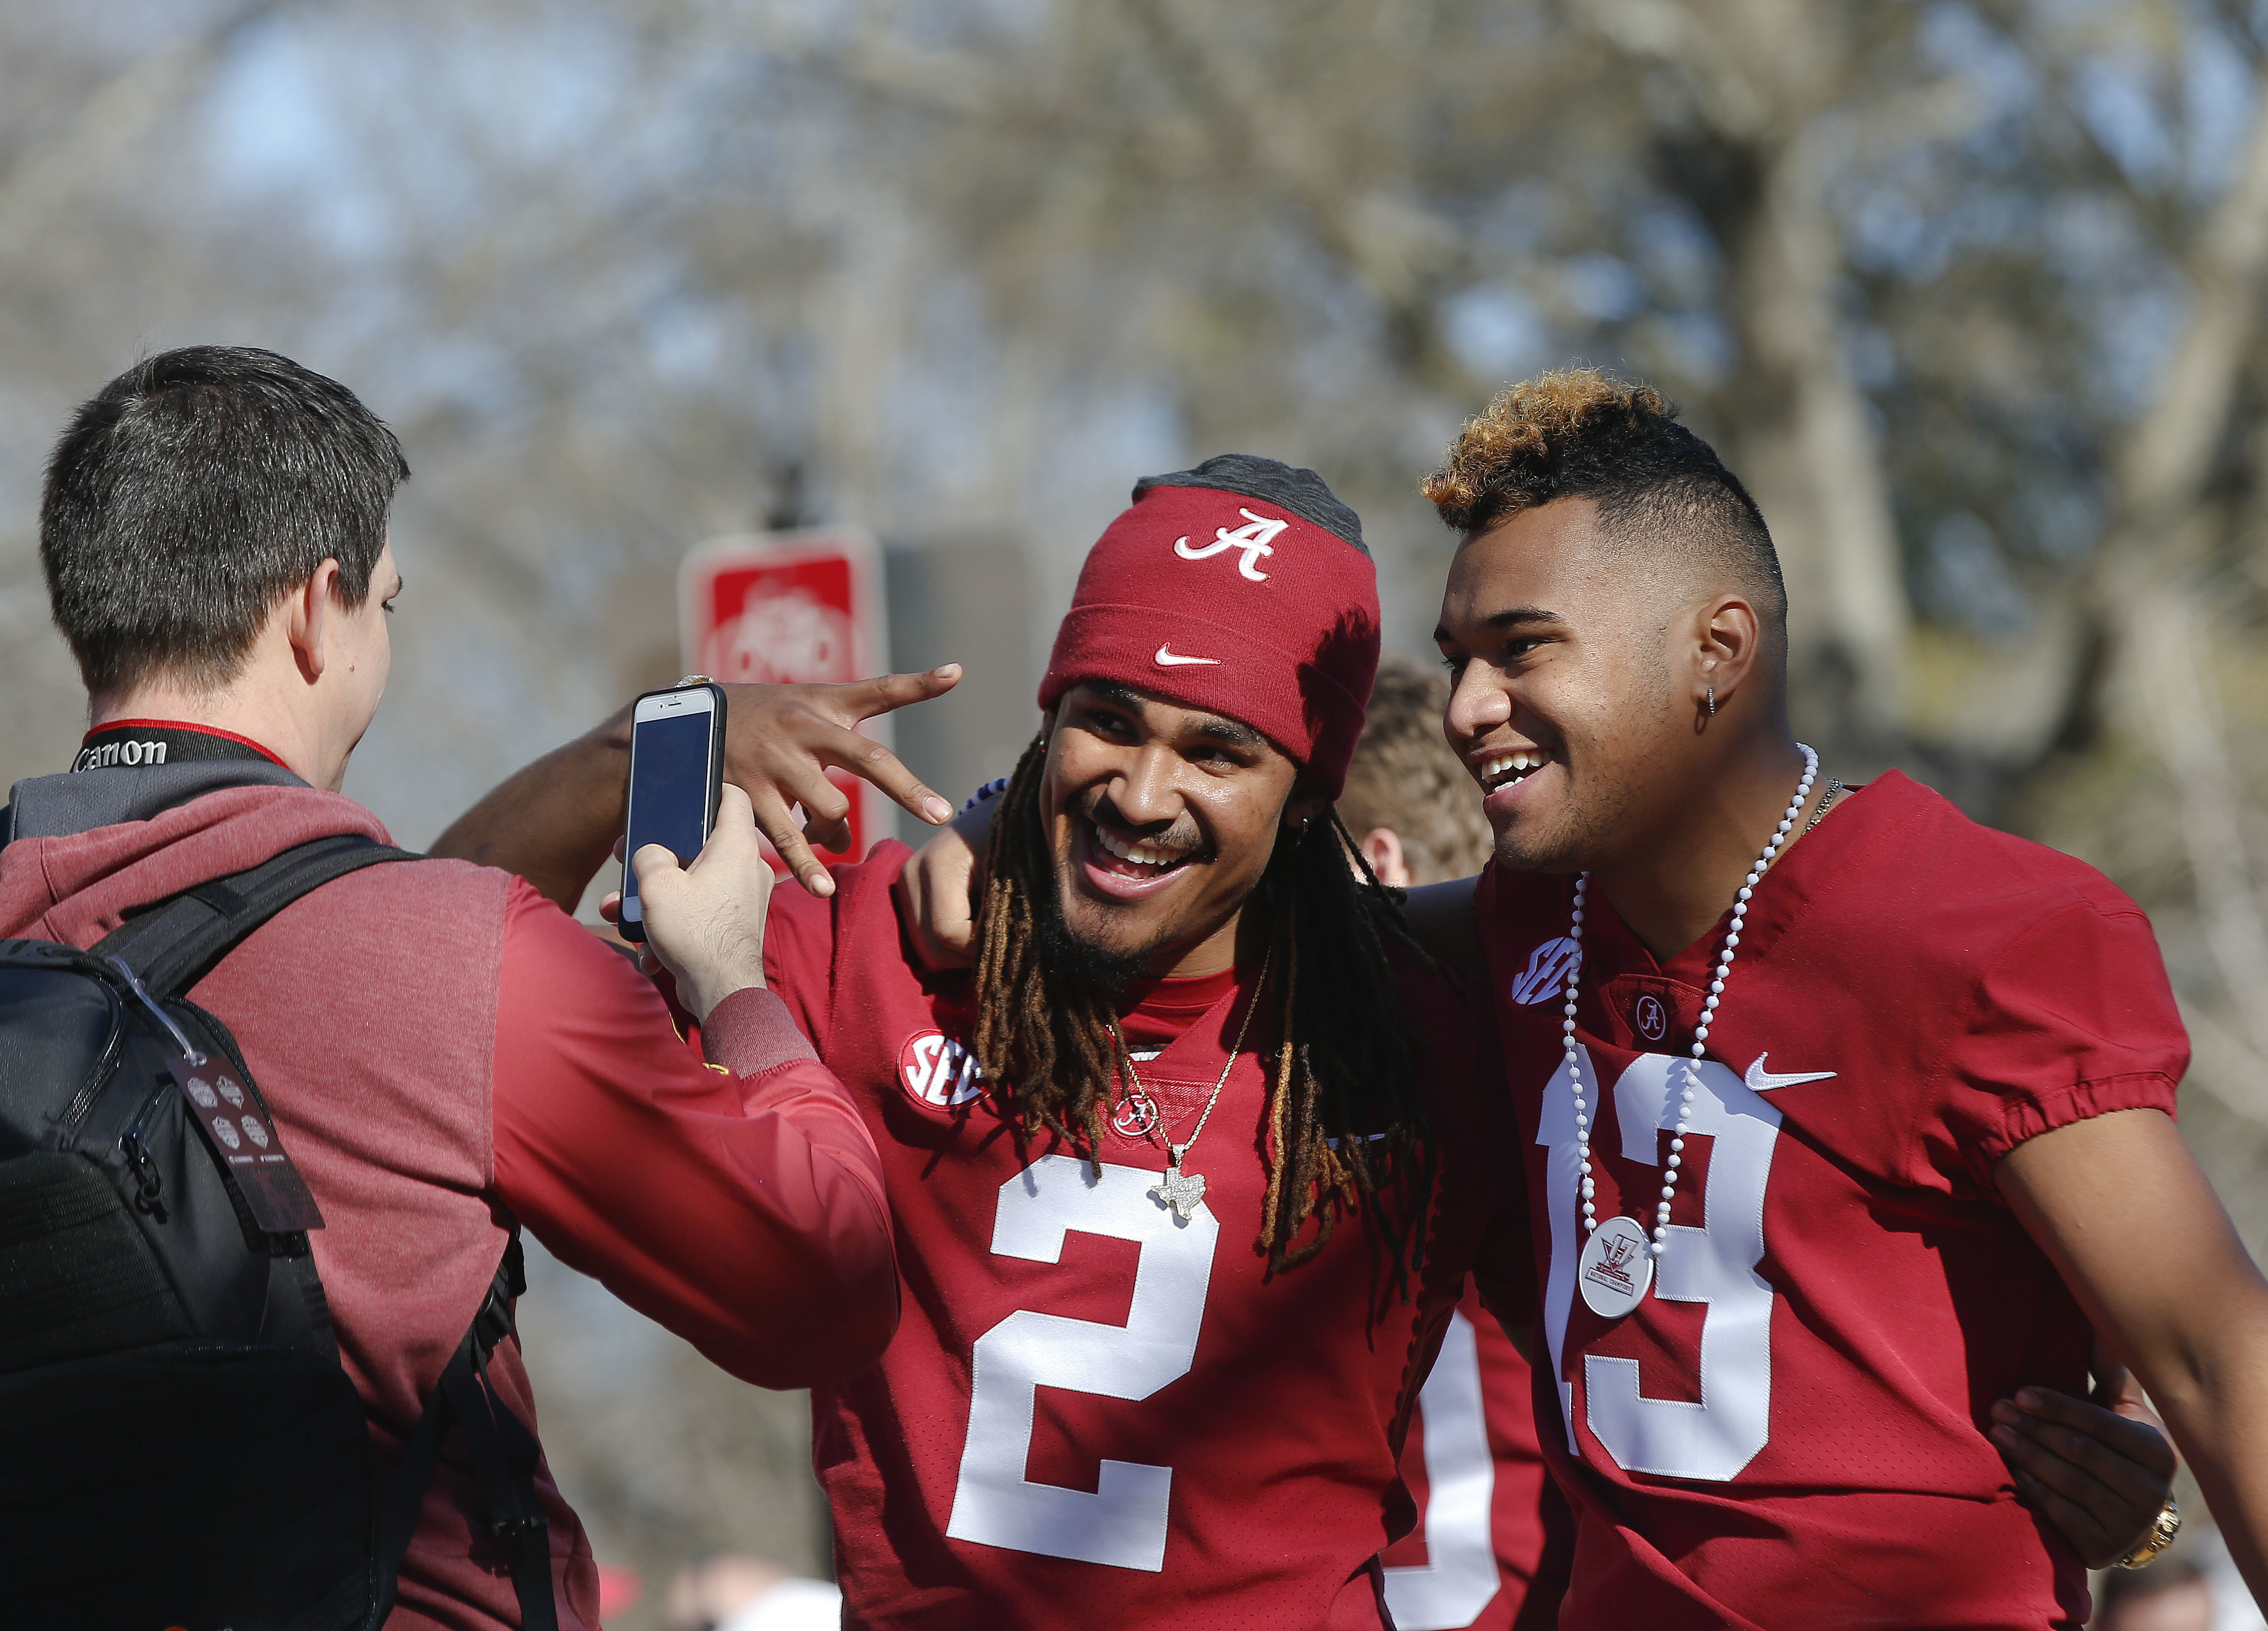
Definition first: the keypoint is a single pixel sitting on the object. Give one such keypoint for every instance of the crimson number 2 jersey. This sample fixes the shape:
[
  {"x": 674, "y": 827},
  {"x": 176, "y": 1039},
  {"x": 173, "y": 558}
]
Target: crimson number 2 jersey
[
  {"x": 1493, "y": 1537},
  {"x": 1095, "y": 1412},
  {"x": 1790, "y": 1429}
]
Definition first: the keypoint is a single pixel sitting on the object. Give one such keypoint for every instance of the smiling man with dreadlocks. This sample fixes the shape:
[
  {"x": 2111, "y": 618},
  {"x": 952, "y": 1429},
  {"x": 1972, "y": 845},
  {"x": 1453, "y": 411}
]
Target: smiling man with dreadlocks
[
  {"x": 1052, "y": 959},
  {"x": 1186, "y": 1172}
]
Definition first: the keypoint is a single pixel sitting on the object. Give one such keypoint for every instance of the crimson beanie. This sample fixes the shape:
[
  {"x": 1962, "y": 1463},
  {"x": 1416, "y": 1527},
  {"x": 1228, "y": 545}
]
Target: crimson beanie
[{"x": 1242, "y": 588}]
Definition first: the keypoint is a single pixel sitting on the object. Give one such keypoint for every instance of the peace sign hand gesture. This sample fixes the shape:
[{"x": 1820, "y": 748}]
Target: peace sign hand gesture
[
  {"x": 556, "y": 822},
  {"x": 781, "y": 741}
]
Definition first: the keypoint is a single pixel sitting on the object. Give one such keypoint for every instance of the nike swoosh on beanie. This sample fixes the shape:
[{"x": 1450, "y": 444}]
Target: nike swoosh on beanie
[{"x": 1287, "y": 640}]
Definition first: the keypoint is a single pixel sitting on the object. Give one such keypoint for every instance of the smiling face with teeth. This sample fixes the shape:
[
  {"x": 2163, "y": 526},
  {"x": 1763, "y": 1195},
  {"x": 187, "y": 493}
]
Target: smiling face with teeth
[
  {"x": 1162, "y": 819},
  {"x": 1575, "y": 669}
]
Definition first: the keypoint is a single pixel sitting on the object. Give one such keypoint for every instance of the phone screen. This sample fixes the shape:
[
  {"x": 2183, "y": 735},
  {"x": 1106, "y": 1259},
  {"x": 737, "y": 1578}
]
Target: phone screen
[{"x": 669, "y": 793}]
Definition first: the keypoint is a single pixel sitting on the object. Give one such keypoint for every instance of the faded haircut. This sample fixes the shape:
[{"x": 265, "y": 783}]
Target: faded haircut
[
  {"x": 193, "y": 493},
  {"x": 1581, "y": 433},
  {"x": 1405, "y": 777}
]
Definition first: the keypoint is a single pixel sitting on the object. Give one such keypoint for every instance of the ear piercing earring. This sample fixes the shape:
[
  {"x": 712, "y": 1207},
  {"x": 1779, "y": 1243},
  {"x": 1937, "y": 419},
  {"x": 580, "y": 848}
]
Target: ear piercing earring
[{"x": 1712, "y": 699}]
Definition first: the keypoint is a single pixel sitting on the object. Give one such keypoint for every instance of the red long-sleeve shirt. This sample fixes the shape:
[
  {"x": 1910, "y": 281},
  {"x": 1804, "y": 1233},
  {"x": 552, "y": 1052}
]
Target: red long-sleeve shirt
[{"x": 730, "y": 1203}]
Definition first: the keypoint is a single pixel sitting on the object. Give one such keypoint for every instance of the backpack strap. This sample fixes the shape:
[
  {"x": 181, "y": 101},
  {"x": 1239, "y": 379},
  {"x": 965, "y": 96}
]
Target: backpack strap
[
  {"x": 177, "y": 943},
  {"x": 173, "y": 945},
  {"x": 505, "y": 1454}
]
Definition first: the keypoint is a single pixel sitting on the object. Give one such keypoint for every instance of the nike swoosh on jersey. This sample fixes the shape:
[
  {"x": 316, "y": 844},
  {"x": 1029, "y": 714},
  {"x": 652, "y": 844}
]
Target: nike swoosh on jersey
[
  {"x": 1760, "y": 1080},
  {"x": 1167, "y": 659}
]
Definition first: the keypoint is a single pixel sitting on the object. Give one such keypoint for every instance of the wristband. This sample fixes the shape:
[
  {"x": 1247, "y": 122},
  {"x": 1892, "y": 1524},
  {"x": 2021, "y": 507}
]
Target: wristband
[{"x": 993, "y": 789}]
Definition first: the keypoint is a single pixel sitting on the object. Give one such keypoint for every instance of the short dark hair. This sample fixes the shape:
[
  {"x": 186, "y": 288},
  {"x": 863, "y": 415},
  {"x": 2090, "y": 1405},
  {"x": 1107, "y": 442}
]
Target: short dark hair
[
  {"x": 1581, "y": 433},
  {"x": 1404, "y": 776},
  {"x": 193, "y": 493}
]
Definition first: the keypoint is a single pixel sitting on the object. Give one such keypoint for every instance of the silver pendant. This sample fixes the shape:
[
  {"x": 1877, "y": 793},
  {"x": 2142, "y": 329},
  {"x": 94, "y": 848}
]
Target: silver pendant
[
  {"x": 1181, "y": 1191},
  {"x": 1615, "y": 1268}
]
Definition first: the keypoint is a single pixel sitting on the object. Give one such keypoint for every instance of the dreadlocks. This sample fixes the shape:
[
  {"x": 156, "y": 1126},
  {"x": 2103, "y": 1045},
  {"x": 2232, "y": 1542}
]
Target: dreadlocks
[{"x": 1345, "y": 1121}]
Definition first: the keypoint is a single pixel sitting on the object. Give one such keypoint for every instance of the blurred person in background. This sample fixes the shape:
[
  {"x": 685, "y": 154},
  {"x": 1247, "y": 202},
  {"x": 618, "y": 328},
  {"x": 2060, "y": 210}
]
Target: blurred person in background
[
  {"x": 1411, "y": 807},
  {"x": 2170, "y": 1596},
  {"x": 447, "y": 1054},
  {"x": 733, "y": 1592}
]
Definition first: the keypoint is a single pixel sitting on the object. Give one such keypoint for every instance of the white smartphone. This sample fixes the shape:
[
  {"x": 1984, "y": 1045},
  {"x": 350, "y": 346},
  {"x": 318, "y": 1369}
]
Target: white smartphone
[{"x": 677, "y": 775}]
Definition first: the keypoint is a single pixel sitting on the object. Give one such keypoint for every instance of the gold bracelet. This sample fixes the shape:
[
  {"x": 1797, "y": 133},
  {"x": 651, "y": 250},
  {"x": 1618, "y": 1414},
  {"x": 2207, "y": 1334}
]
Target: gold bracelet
[{"x": 2164, "y": 1528}]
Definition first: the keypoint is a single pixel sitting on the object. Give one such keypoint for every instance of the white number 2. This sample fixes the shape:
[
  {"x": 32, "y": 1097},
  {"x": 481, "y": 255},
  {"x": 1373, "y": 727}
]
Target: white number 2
[
  {"x": 1123, "y": 1522},
  {"x": 1715, "y": 1264}
]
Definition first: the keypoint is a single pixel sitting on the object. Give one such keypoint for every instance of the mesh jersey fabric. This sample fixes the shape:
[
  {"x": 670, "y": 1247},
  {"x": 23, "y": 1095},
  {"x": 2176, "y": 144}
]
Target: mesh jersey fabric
[
  {"x": 1093, "y": 1416},
  {"x": 1494, "y": 1536},
  {"x": 1790, "y": 1429}
]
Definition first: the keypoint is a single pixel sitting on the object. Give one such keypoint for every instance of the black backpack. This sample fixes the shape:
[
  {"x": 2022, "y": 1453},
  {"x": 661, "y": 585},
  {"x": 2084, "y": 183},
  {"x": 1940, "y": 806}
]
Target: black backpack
[{"x": 178, "y": 1447}]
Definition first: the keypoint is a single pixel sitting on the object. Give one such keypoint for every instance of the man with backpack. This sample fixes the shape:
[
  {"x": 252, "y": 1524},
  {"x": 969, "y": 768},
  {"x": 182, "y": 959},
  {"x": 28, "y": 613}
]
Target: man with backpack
[{"x": 275, "y": 1098}]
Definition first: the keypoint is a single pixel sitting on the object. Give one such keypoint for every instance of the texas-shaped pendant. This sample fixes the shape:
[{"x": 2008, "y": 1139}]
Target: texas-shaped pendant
[
  {"x": 1179, "y": 1190},
  {"x": 1615, "y": 1268}
]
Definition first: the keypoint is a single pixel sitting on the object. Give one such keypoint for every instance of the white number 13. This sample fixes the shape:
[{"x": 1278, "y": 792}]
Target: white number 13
[
  {"x": 1123, "y": 1522},
  {"x": 1715, "y": 1264}
]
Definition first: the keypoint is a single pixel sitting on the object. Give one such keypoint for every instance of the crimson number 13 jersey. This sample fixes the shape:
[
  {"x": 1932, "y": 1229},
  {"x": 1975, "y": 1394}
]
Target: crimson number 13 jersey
[{"x": 1790, "y": 1429}]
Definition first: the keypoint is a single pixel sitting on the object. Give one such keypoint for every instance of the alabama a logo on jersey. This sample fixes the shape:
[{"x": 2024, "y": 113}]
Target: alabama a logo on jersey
[
  {"x": 1256, "y": 537},
  {"x": 938, "y": 1071}
]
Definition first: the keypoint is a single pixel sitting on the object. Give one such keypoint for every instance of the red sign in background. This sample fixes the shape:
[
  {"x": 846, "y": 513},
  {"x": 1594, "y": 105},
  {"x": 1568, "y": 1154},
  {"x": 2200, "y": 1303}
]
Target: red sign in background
[{"x": 787, "y": 608}]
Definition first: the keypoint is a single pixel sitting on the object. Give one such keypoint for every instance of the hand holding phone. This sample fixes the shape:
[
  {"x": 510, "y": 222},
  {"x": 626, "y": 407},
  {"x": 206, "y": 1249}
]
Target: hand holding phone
[
  {"x": 677, "y": 771},
  {"x": 705, "y": 923}
]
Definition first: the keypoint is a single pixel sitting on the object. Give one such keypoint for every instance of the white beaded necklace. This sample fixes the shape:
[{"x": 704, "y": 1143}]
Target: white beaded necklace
[{"x": 1615, "y": 1277}]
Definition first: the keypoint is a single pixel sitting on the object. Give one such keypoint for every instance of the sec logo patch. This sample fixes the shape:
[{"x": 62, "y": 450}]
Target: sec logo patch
[
  {"x": 938, "y": 1071},
  {"x": 1547, "y": 971}
]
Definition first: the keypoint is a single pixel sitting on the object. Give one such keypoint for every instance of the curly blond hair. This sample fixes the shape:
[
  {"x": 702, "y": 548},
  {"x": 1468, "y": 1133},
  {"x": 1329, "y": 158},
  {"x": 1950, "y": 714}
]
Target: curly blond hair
[
  {"x": 1582, "y": 433},
  {"x": 1508, "y": 454}
]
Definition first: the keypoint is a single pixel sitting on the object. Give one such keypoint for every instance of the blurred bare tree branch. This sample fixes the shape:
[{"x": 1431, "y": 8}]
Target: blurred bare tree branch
[
  {"x": 1970, "y": 293},
  {"x": 116, "y": 117}
]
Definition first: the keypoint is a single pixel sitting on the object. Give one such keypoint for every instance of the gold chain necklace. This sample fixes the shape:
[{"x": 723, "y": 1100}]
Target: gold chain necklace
[{"x": 1179, "y": 1190}]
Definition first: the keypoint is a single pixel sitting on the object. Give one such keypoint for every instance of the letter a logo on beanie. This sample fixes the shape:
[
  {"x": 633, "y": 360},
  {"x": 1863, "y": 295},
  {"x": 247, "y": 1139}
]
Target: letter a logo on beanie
[
  {"x": 1242, "y": 588},
  {"x": 1252, "y": 538}
]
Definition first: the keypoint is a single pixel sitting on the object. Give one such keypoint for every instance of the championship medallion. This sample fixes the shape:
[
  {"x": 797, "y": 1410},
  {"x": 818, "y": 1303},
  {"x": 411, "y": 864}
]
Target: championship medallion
[{"x": 1615, "y": 1268}]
